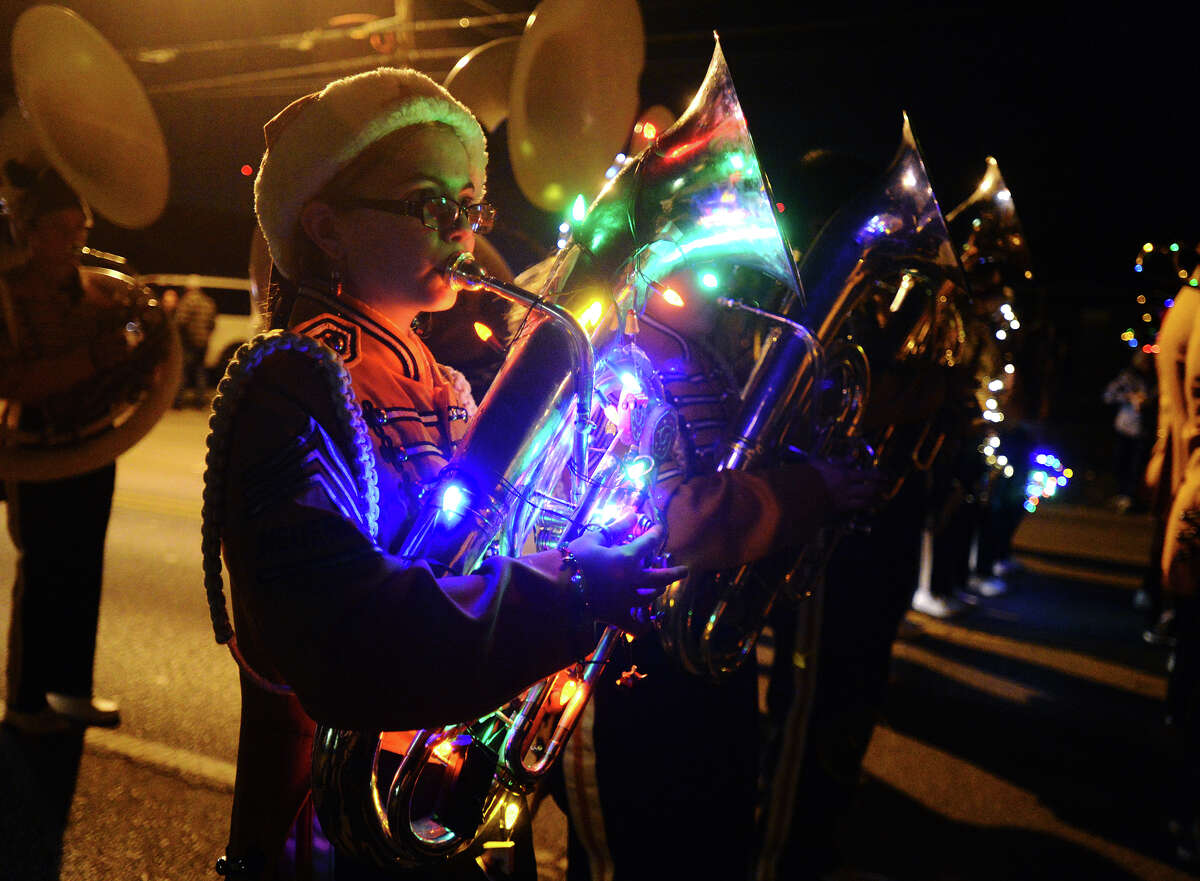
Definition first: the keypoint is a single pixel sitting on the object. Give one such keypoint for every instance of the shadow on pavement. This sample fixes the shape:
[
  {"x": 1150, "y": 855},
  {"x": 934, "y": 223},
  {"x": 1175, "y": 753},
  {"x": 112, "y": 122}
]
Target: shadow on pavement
[
  {"x": 1087, "y": 743},
  {"x": 1101, "y": 772},
  {"x": 37, "y": 779},
  {"x": 1074, "y": 615},
  {"x": 926, "y": 846}
]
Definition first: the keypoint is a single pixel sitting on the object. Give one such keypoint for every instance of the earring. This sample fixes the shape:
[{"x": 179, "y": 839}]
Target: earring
[{"x": 335, "y": 281}]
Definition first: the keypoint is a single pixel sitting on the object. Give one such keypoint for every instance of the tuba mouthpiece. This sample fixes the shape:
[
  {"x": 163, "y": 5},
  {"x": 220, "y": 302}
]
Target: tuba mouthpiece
[{"x": 464, "y": 273}]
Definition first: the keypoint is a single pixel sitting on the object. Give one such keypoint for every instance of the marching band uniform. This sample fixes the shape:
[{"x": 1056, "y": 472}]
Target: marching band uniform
[
  {"x": 1179, "y": 376},
  {"x": 292, "y": 534},
  {"x": 54, "y": 337},
  {"x": 871, "y": 579},
  {"x": 1178, "y": 430}
]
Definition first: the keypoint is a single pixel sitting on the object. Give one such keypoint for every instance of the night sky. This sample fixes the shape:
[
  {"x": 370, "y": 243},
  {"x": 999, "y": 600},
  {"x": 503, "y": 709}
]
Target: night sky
[{"x": 1091, "y": 117}]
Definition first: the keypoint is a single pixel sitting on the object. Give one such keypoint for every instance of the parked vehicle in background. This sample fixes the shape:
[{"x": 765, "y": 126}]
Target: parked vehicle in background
[{"x": 236, "y": 319}]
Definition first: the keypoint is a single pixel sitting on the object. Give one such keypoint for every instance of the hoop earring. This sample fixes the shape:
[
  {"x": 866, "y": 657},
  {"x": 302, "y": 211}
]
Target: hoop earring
[{"x": 335, "y": 282}]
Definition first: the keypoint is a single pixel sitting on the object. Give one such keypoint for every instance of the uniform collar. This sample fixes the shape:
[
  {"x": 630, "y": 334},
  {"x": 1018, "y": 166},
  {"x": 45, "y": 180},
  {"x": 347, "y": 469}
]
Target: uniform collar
[{"x": 415, "y": 360}]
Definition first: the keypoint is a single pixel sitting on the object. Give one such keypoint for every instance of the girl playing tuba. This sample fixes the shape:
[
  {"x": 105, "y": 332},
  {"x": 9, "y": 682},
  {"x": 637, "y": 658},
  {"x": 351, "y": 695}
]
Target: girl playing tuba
[{"x": 366, "y": 191}]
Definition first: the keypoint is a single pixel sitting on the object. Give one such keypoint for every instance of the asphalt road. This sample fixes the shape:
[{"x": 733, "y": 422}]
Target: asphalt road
[
  {"x": 989, "y": 740},
  {"x": 152, "y": 797}
]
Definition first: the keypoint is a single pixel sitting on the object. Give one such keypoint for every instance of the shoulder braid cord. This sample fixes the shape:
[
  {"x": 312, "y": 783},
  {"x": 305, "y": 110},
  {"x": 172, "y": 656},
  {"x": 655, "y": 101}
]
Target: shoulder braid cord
[{"x": 350, "y": 433}]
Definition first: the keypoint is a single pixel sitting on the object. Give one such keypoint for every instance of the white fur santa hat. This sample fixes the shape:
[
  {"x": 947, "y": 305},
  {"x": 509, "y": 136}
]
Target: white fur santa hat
[{"x": 315, "y": 137}]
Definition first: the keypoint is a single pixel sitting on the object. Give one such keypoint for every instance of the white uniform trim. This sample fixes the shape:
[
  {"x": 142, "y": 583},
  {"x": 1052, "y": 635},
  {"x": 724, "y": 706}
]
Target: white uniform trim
[
  {"x": 781, "y": 788},
  {"x": 583, "y": 796}
]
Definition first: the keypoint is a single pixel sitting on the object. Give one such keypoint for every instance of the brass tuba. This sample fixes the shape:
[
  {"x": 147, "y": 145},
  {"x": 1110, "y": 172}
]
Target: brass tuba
[
  {"x": 996, "y": 258},
  {"x": 886, "y": 299},
  {"x": 700, "y": 215},
  {"x": 82, "y": 111},
  {"x": 886, "y": 295},
  {"x": 571, "y": 433}
]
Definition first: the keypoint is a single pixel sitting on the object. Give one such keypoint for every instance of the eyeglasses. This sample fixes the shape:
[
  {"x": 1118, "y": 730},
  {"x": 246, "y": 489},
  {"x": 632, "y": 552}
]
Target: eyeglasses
[{"x": 438, "y": 213}]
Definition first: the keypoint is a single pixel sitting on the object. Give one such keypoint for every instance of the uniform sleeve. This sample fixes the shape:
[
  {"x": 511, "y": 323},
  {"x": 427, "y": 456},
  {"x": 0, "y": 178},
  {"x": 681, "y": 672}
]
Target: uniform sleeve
[
  {"x": 365, "y": 641},
  {"x": 1181, "y": 544},
  {"x": 725, "y": 519}
]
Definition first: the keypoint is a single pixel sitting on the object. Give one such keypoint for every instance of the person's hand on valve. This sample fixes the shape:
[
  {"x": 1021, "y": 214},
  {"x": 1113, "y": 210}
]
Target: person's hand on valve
[{"x": 621, "y": 580}]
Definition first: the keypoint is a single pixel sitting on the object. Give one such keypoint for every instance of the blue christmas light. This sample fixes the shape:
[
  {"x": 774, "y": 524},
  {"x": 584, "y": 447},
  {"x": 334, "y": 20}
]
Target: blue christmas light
[
  {"x": 1046, "y": 477},
  {"x": 453, "y": 499}
]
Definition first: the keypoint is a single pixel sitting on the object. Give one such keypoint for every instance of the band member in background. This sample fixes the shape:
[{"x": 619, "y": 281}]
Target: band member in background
[
  {"x": 661, "y": 778},
  {"x": 1179, "y": 414},
  {"x": 827, "y": 692},
  {"x": 366, "y": 191},
  {"x": 55, "y": 333},
  {"x": 196, "y": 316}
]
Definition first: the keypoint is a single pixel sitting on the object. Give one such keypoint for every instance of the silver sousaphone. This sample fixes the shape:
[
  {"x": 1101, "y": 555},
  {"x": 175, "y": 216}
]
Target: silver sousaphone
[{"x": 83, "y": 112}]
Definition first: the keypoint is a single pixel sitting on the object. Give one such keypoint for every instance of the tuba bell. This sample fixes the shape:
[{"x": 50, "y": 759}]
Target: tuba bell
[
  {"x": 996, "y": 258},
  {"x": 697, "y": 212},
  {"x": 572, "y": 433},
  {"x": 82, "y": 112}
]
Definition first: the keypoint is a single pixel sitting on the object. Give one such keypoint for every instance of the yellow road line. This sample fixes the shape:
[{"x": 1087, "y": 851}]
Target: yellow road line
[
  {"x": 214, "y": 772},
  {"x": 146, "y": 503},
  {"x": 997, "y": 686},
  {"x": 1083, "y": 571},
  {"x": 1072, "y": 663}
]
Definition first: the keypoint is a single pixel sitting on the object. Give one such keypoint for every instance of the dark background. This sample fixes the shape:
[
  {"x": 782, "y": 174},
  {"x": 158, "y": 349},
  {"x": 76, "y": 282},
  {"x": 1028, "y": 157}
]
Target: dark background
[{"x": 1090, "y": 114}]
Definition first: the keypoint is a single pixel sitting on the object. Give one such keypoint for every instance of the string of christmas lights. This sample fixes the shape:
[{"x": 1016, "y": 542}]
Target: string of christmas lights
[{"x": 1158, "y": 276}]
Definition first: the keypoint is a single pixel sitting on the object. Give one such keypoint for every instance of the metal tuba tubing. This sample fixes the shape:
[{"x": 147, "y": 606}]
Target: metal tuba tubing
[
  {"x": 694, "y": 202},
  {"x": 517, "y": 744},
  {"x": 790, "y": 365},
  {"x": 465, "y": 273},
  {"x": 792, "y": 355}
]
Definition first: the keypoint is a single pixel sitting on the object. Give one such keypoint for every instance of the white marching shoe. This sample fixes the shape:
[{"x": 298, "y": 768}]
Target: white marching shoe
[
  {"x": 986, "y": 587},
  {"x": 937, "y": 607}
]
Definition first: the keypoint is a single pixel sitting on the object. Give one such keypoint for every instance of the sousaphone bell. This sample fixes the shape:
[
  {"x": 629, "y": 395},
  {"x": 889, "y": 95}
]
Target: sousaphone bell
[{"x": 83, "y": 112}]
